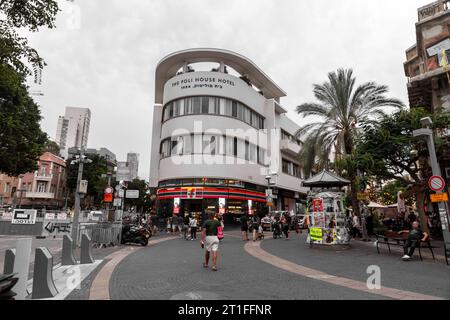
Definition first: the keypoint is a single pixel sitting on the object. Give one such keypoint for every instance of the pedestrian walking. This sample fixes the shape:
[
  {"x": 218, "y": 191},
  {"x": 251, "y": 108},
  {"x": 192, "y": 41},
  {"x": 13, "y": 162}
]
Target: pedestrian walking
[
  {"x": 244, "y": 227},
  {"x": 254, "y": 228},
  {"x": 186, "y": 226},
  {"x": 356, "y": 227},
  {"x": 285, "y": 223},
  {"x": 210, "y": 241},
  {"x": 193, "y": 224},
  {"x": 169, "y": 225}
]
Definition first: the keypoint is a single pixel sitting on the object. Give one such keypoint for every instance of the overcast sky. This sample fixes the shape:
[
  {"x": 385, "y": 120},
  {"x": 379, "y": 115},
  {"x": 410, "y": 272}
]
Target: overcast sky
[{"x": 107, "y": 63}]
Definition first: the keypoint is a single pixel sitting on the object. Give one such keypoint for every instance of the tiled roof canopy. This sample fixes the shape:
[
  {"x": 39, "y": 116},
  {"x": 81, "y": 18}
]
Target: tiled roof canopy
[{"x": 326, "y": 179}]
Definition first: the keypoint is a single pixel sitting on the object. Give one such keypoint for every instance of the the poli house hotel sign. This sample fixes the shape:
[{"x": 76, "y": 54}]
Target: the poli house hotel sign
[{"x": 197, "y": 82}]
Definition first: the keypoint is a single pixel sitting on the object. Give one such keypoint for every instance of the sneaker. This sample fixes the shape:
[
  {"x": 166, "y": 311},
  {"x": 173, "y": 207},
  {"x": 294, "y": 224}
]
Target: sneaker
[{"x": 406, "y": 257}]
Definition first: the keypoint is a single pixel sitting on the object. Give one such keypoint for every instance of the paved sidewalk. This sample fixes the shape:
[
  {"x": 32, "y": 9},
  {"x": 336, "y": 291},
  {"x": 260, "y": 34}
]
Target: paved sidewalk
[
  {"x": 427, "y": 277},
  {"x": 173, "y": 270}
]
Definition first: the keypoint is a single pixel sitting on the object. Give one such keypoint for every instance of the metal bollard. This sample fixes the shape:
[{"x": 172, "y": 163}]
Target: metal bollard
[
  {"x": 86, "y": 250},
  {"x": 43, "y": 285},
  {"x": 67, "y": 258},
  {"x": 10, "y": 257}
]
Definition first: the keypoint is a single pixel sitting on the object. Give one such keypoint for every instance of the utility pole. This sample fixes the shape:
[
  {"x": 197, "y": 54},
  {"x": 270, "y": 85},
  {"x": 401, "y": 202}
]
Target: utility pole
[
  {"x": 428, "y": 134},
  {"x": 76, "y": 217}
]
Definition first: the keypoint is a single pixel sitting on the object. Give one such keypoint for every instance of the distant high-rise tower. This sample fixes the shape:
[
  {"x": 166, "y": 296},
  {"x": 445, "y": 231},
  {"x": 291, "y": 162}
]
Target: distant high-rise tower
[
  {"x": 73, "y": 129},
  {"x": 133, "y": 164}
]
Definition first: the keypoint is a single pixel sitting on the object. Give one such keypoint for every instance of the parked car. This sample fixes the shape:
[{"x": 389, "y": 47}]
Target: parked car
[{"x": 266, "y": 223}]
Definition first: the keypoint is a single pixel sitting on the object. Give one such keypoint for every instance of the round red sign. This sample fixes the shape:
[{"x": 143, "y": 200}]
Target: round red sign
[{"x": 436, "y": 183}]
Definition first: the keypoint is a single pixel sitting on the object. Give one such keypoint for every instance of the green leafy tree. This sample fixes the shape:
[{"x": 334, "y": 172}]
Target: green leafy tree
[
  {"x": 94, "y": 173},
  {"x": 144, "y": 203},
  {"x": 386, "y": 151},
  {"x": 342, "y": 109},
  {"x": 52, "y": 147},
  {"x": 28, "y": 14},
  {"x": 21, "y": 138}
]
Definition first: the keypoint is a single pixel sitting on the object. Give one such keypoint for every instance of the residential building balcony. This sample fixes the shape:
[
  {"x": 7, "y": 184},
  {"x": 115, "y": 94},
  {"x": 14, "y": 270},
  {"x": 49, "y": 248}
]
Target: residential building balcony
[
  {"x": 290, "y": 147},
  {"x": 43, "y": 176},
  {"x": 40, "y": 195}
]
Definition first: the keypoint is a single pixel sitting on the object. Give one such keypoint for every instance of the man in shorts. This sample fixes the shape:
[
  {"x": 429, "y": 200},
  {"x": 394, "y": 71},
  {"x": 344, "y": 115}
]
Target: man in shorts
[{"x": 210, "y": 241}]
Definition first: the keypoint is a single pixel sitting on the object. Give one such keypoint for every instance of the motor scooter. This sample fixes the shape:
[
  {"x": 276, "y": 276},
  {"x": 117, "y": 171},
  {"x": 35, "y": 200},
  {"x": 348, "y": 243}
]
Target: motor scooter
[
  {"x": 7, "y": 282},
  {"x": 136, "y": 234}
]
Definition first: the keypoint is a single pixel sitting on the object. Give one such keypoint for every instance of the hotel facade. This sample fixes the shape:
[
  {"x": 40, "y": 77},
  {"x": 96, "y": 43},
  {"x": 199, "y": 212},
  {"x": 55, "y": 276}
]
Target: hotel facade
[{"x": 220, "y": 136}]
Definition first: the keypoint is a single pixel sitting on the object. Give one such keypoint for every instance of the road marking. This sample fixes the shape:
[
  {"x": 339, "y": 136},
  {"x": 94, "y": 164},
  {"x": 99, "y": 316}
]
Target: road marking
[
  {"x": 256, "y": 251},
  {"x": 100, "y": 286}
]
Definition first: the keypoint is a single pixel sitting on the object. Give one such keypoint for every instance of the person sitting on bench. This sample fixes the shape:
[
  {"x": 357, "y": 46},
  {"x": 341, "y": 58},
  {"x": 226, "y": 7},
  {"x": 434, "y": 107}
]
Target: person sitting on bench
[{"x": 415, "y": 237}]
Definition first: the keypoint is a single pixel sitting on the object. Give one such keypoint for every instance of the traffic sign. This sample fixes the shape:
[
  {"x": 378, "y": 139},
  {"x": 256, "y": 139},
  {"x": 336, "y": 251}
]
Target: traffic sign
[
  {"x": 109, "y": 190},
  {"x": 436, "y": 183},
  {"x": 24, "y": 217},
  {"x": 441, "y": 197},
  {"x": 108, "y": 198},
  {"x": 132, "y": 194},
  {"x": 117, "y": 202}
]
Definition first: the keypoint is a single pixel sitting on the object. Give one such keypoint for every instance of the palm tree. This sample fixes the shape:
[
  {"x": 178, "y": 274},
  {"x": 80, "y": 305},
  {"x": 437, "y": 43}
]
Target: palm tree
[{"x": 342, "y": 109}]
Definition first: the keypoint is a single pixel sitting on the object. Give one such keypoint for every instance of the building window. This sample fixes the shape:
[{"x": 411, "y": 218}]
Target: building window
[
  {"x": 285, "y": 166},
  {"x": 291, "y": 169},
  {"x": 213, "y": 105},
  {"x": 41, "y": 187},
  {"x": 205, "y": 105},
  {"x": 234, "y": 109},
  {"x": 197, "y": 103}
]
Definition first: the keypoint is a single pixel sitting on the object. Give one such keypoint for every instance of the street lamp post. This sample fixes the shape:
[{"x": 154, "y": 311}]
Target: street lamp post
[
  {"x": 427, "y": 133},
  {"x": 76, "y": 217}
]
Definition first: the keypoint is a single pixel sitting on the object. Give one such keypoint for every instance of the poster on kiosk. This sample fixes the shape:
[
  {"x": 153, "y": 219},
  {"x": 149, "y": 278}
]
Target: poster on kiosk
[{"x": 327, "y": 219}]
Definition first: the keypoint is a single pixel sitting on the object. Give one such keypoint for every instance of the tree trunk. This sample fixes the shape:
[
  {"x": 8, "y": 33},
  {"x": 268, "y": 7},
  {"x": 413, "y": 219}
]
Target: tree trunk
[
  {"x": 420, "y": 198},
  {"x": 354, "y": 195},
  {"x": 352, "y": 173}
]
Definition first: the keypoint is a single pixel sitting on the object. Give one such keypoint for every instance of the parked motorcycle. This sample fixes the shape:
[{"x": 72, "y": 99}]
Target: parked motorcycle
[
  {"x": 136, "y": 234},
  {"x": 276, "y": 230},
  {"x": 7, "y": 282}
]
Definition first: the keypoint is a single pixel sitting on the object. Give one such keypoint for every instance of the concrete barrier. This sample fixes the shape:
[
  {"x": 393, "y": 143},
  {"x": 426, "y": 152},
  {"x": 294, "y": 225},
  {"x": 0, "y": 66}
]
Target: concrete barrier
[
  {"x": 86, "y": 250},
  {"x": 67, "y": 258},
  {"x": 43, "y": 284},
  {"x": 10, "y": 257}
]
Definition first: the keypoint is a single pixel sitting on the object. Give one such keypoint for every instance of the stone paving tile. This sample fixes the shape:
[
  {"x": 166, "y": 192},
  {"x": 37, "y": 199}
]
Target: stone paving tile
[
  {"x": 427, "y": 277},
  {"x": 173, "y": 269}
]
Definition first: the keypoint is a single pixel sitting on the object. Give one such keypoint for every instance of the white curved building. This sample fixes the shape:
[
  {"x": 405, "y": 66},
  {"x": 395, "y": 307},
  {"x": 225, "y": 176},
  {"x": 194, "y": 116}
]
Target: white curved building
[{"x": 218, "y": 134}]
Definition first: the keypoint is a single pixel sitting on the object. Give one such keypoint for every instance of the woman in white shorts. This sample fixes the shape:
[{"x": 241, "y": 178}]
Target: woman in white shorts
[{"x": 210, "y": 241}]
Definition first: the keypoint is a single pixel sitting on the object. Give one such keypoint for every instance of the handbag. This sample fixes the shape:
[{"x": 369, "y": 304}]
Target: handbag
[{"x": 220, "y": 234}]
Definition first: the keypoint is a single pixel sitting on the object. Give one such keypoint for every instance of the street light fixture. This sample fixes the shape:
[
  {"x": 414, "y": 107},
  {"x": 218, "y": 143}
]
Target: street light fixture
[{"x": 427, "y": 133}]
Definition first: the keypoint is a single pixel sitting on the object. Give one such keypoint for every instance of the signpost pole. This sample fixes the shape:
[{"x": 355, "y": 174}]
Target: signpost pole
[{"x": 428, "y": 134}]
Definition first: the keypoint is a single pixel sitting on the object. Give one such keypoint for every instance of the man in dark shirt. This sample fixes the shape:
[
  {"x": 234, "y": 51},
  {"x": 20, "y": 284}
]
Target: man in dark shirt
[
  {"x": 244, "y": 227},
  {"x": 210, "y": 241},
  {"x": 415, "y": 237}
]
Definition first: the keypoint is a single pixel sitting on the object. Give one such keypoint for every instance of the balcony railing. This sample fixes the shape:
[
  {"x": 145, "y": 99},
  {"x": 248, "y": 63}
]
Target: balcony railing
[
  {"x": 43, "y": 176},
  {"x": 40, "y": 195},
  {"x": 289, "y": 146}
]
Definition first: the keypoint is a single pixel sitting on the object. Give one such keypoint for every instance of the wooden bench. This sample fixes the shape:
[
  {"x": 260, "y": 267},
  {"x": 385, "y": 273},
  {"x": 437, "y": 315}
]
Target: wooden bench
[{"x": 397, "y": 240}]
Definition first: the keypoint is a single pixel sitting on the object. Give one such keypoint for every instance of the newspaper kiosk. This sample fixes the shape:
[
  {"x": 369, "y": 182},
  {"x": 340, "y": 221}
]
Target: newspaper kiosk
[{"x": 325, "y": 210}]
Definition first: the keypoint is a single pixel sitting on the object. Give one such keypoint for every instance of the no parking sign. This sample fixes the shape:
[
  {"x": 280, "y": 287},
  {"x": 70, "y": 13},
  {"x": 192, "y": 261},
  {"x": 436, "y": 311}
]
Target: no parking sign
[{"x": 436, "y": 183}]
